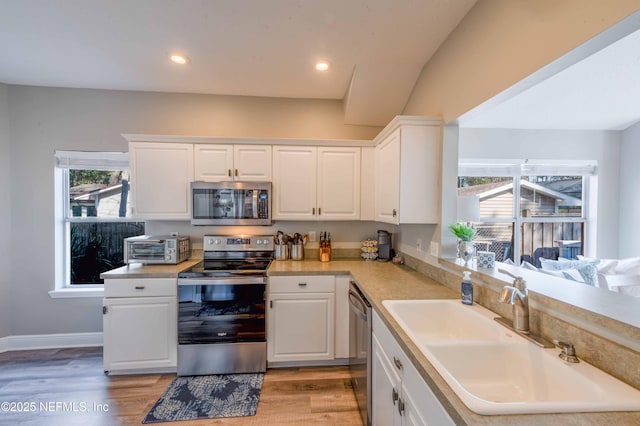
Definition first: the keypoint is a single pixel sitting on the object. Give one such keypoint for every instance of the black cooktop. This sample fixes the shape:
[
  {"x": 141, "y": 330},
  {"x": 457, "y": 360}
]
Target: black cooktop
[{"x": 228, "y": 267}]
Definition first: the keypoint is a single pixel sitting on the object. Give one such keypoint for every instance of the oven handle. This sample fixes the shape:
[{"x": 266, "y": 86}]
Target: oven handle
[{"x": 221, "y": 281}]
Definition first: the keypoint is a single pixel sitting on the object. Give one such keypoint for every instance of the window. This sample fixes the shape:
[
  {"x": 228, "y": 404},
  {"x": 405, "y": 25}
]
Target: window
[
  {"x": 529, "y": 210},
  {"x": 93, "y": 214}
]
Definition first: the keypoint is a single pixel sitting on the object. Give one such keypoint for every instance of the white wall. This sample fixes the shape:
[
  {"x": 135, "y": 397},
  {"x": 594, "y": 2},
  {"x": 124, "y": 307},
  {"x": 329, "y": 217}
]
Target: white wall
[
  {"x": 500, "y": 42},
  {"x": 45, "y": 119},
  {"x": 629, "y": 191},
  {"x": 5, "y": 216},
  {"x": 602, "y": 146}
]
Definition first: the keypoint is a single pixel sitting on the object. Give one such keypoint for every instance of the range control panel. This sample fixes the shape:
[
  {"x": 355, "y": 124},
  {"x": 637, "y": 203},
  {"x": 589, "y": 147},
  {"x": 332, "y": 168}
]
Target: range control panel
[{"x": 238, "y": 243}]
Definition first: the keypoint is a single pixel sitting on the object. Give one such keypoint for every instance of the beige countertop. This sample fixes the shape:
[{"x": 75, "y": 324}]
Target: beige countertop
[
  {"x": 382, "y": 281},
  {"x": 138, "y": 270}
]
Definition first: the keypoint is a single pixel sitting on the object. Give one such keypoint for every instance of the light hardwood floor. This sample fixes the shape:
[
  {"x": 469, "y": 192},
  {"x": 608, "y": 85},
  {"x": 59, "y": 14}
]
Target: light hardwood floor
[{"x": 67, "y": 379}]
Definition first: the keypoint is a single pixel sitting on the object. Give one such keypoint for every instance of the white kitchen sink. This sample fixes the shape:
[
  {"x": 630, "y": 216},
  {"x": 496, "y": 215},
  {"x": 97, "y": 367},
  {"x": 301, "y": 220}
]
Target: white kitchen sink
[
  {"x": 495, "y": 371},
  {"x": 436, "y": 320}
]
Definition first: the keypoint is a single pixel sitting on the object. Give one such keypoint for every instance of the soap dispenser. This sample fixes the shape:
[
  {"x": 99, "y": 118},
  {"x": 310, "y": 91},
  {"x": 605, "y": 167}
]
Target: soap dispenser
[{"x": 466, "y": 288}]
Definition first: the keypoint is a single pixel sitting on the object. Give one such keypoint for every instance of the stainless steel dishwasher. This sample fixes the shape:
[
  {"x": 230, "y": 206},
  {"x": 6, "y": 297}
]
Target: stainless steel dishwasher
[{"x": 360, "y": 350}]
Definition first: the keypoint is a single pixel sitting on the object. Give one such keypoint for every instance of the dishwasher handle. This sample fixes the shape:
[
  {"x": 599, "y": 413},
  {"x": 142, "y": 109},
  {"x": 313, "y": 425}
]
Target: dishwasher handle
[{"x": 355, "y": 297}]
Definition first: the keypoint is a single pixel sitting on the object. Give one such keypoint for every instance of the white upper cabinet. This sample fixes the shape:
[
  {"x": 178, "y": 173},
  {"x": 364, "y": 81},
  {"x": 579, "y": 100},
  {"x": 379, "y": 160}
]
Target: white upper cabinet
[
  {"x": 387, "y": 179},
  {"x": 219, "y": 163},
  {"x": 338, "y": 183},
  {"x": 407, "y": 171},
  {"x": 316, "y": 183},
  {"x": 294, "y": 182},
  {"x": 213, "y": 163},
  {"x": 160, "y": 177}
]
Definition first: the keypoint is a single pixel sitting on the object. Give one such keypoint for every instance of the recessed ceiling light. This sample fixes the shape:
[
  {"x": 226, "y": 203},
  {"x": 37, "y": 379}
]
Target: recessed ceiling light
[
  {"x": 179, "y": 58},
  {"x": 322, "y": 66}
]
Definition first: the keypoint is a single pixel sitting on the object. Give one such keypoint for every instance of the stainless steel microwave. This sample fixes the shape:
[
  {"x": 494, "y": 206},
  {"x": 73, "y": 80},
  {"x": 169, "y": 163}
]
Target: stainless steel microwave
[
  {"x": 231, "y": 203},
  {"x": 150, "y": 249}
]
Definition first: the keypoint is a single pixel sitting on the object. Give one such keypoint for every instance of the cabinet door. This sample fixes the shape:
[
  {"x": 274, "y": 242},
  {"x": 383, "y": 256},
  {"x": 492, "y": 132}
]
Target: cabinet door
[
  {"x": 386, "y": 388},
  {"x": 294, "y": 182},
  {"x": 213, "y": 163},
  {"x": 160, "y": 178},
  {"x": 421, "y": 155},
  {"x": 338, "y": 183},
  {"x": 387, "y": 187},
  {"x": 367, "y": 183},
  {"x": 140, "y": 333},
  {"x": 300, "y": 327},
  {"x": 252, "y": 163}
]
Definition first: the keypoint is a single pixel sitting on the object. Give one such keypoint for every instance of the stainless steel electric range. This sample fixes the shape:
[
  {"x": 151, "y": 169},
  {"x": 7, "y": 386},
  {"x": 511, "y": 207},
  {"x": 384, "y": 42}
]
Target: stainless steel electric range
[{"x": 221, "y": 307}]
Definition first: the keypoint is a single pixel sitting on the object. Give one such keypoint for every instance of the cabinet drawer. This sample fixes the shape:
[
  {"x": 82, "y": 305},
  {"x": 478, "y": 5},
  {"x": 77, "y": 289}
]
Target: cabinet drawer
[
  {"x": 141, "y": 287},
  {"x": 302, "y": 283},
  {"x": 391, "y": 346}
]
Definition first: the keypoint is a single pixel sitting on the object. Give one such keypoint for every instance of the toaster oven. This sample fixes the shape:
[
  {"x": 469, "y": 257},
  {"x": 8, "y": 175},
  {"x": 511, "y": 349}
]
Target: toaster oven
[{"x": 150, "y": 249}]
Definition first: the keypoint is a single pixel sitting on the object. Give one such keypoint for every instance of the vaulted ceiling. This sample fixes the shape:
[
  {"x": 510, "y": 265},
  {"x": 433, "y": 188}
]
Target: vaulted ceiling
[{"x": 376, "y": 49}]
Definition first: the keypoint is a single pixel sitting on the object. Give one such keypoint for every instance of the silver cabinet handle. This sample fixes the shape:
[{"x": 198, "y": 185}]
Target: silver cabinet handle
[
  {"x": 319, "y": 211},
  {"x": 236, "y": 172},
  {"x": 397, "y": 362},
  {"x": 394, "y": 396},
  {"x": 229, "y": 172},
  {"x": 139, "y": 287},
  {"x": 302, "y": 284},
  {"x": 395, "y": 213},
  {"x": 313, "y": 211}
]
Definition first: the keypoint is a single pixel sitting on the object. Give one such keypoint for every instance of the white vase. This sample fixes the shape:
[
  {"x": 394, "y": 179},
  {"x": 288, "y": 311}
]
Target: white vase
[{"x": 466, "y": 251}]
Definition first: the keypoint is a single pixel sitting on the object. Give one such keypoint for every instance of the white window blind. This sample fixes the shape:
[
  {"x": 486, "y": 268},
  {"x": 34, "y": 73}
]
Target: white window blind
[
  {"x": 84, "y": 160},
  {"x": 471, "y": 167}
]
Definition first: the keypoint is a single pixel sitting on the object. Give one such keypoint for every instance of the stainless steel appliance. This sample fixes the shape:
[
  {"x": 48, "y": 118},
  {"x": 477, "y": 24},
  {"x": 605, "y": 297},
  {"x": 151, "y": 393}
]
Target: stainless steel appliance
[
  {"x": 385, "y": 252},
  {"x": 231, "y": 203},
  {"x": 360, "y": 350},
  {"x": 221, "y": 307},
  {"x": 150, "y": 249}
]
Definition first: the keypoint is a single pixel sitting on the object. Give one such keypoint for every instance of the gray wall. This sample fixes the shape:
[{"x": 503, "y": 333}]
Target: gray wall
[
  {"x": 629, "y": 191},
  {"x": 602, "y": 146},
  {"x": 5, "y": 216},
  {"x": 45, "y": 119}
]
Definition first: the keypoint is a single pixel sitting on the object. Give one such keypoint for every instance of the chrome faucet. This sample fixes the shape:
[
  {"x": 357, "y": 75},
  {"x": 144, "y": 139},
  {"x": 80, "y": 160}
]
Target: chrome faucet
[{"x": 518, "y": 296}]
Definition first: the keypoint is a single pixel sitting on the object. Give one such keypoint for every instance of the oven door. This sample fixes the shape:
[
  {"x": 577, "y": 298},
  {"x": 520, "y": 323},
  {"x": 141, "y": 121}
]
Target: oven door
[
  {"x": 221, "y": 310},
  {"x": 221, "y": 325}
]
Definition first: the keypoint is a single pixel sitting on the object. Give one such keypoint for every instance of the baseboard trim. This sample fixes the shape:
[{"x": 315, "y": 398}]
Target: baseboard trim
[
  {"x": 326, "y": 363},
  {"x": 49, "y": 341}
]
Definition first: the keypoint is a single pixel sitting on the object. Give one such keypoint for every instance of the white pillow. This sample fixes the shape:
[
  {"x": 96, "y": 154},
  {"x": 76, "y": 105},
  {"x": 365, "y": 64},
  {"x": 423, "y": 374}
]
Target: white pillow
[
  {"x": 586, "y": 274},
  {"x": 527, "y": 265},
  {"x": 625, "y": 284},
  {"x": 605, "y": 266},
  {"x": 629, "y": 266},
  {"x": 562, "y": 263}
]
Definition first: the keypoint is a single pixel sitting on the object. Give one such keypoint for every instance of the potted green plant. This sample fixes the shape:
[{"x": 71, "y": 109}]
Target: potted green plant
[{"x": 465, "y": 235}]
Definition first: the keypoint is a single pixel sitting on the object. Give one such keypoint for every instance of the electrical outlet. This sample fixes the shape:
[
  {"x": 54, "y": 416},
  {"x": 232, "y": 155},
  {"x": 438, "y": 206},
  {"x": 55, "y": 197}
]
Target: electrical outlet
[
  {"x": 312, "y": 236},
  {"x": 433, "y": 248},
  {"x": 419, "y": 244}
]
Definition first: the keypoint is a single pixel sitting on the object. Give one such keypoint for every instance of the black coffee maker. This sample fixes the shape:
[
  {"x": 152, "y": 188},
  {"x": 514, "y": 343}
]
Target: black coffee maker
[{"x": 385, "y": 252}]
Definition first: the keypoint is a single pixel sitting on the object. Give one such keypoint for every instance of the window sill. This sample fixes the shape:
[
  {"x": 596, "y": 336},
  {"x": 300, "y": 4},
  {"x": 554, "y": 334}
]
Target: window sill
[{"x": 77, "y": 293}]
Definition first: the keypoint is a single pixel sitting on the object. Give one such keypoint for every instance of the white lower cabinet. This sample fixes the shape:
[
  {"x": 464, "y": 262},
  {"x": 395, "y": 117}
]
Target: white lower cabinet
[
  {"x": 301, "y": 318},
  {"x": 400, "y": 396},
  {"x": 140, "y": 325}
]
